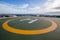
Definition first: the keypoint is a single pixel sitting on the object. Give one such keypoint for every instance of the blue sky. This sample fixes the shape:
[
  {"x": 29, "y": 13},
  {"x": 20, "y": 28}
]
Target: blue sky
[
  {"x": 24, "y": 1},
  {"x": 28, "y": 6},
  {"x": 21, "y": 2}
]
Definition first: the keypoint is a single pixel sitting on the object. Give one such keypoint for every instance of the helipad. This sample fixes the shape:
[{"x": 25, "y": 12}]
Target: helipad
[
  {"x": 30, "y": 28},
  {"x": 51, "y": 26}
]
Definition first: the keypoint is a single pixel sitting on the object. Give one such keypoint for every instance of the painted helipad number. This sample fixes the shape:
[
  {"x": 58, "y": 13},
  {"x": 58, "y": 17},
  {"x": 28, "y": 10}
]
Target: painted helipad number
[{"x": 30, "y": 20}]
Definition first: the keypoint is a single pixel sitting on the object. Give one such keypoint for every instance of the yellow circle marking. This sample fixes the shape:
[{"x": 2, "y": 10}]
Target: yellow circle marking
[{"x": 29, "y": 32}]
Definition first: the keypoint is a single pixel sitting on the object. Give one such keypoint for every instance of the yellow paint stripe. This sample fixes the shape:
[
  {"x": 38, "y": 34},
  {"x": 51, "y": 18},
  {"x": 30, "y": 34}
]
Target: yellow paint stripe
[{"x": 29, "y": 32}]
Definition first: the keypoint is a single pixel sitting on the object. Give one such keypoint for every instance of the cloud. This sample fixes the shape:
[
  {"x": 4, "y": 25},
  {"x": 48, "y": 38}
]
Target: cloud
[
  {"x": 57, "y": 8},
  {"x": 23, "y": 6},
  {"x": 36, "y": 9},
  {"x": 51, "y": 4},
  {"x": 16, "y": 9},
  {"x": 48, "y": 6},
  {"x": 9, "y": 9}
]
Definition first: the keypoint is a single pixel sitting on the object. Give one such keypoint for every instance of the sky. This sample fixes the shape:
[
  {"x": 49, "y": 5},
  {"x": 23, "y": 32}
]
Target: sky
[{"x": 29, "y": 6}]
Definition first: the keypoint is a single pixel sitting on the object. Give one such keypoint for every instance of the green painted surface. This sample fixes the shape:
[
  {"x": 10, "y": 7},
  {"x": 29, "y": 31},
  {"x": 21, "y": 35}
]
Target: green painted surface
[
  {"x": 54, "y": 35},
  {"x": 39, "y": 24}
]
